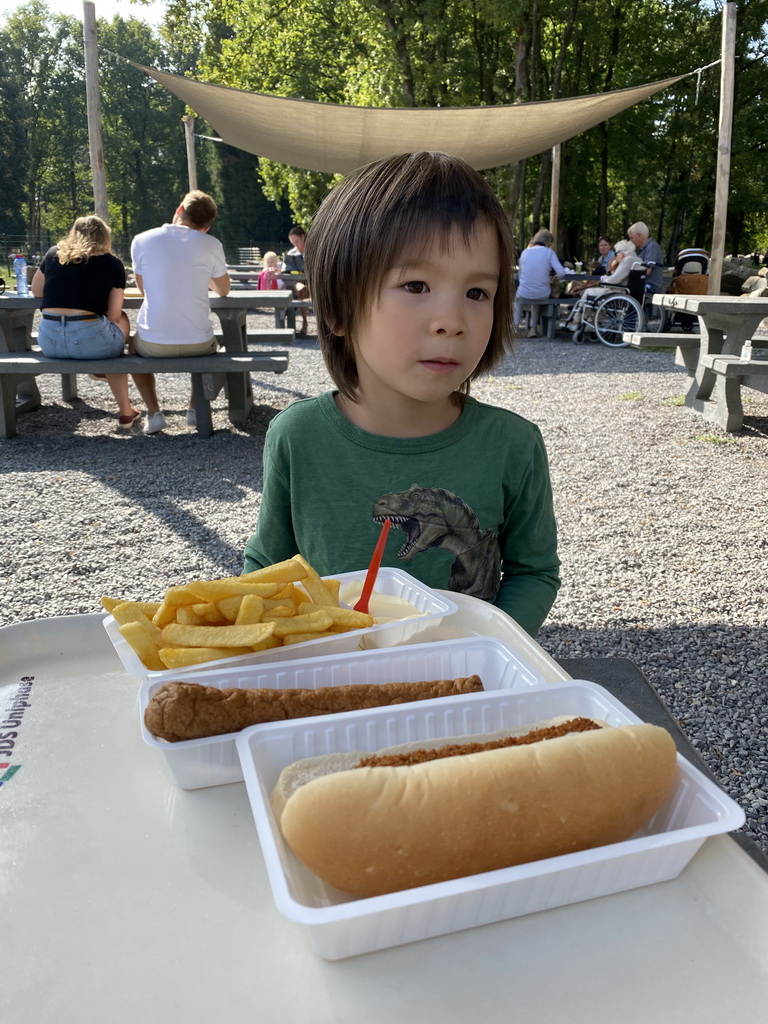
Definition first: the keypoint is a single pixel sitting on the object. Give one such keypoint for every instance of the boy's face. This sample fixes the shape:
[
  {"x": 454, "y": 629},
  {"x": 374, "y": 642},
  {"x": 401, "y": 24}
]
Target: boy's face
[
  {"x": 603, "y": 246},
  {"x": 431, "y": 323}
]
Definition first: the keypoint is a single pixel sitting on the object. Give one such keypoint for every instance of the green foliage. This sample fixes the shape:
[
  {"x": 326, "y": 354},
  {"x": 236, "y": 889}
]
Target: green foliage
[{"x": 655, "y": 162}]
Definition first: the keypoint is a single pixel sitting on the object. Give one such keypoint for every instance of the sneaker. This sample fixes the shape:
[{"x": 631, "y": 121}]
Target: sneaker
[
  {"x": 127, "y": 422},
  {"x": 155, "y": 423},
  {"x": 191, "y": 418}
]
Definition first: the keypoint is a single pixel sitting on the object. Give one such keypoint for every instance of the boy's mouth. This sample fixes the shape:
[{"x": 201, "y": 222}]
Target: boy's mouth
[{"x": 440, "y": 365}]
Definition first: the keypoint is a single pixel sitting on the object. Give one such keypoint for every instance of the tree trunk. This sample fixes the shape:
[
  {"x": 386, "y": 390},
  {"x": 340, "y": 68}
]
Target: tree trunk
[{"x": 395, "y": 27}]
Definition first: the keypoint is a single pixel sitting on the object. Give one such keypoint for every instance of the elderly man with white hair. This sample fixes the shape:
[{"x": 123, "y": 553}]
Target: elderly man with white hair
[{"x": 649, "y": 252}]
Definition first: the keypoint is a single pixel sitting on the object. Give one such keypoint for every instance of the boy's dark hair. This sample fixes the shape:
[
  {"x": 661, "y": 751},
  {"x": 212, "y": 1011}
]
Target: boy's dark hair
[
  {"x": 297, "y": 229},
  {"x": 366, "y": 224}
]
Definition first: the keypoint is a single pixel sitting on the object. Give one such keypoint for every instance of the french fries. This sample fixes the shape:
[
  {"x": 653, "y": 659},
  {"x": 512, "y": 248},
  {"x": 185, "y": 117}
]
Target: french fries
[{"x": 207, "y": 620}]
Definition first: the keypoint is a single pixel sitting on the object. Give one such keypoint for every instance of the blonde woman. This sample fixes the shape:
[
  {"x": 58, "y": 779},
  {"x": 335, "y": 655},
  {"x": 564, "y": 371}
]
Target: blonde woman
[{"x": 81, "y": 284}]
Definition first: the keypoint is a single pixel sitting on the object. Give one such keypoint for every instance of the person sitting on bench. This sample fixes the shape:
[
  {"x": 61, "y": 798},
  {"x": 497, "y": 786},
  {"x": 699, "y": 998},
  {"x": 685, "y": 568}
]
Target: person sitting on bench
[
  {"x": 81, "y": 283},
  {"x": 174, "y": 266}
]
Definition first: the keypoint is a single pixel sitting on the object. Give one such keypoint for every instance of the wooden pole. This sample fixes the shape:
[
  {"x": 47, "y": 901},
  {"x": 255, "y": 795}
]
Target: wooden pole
[
  {"x": 554, "y": 198},
  {"x": 725, "y": 127},
  {"x": 93, "y": 106},
  {"x": 189, "y": 130}
]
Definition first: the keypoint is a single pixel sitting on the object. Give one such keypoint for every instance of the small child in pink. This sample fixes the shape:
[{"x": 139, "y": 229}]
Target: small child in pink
[{"x": 269, "y": 278}]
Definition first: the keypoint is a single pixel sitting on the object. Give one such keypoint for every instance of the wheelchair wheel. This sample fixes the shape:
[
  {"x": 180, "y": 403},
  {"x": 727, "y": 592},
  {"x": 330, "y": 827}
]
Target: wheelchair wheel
[
  {"x": 655, "y": 318},
  {"x": 578, "y": 335},
  {"x": 614, "y": 315}
]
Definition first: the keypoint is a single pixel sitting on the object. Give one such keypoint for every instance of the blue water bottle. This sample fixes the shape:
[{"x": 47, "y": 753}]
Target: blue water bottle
[{"x": 20, "y": 267}]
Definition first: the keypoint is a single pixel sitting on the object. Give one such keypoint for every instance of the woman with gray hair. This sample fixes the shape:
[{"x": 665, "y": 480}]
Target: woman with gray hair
[
  {"x": 626, "y": 258},
  {"x": 538, "y": 265}
]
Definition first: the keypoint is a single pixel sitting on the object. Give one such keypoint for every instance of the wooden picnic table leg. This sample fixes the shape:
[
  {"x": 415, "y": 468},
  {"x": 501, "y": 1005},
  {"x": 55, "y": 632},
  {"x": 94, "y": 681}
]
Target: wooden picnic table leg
[{"x": 239, "y": 385}]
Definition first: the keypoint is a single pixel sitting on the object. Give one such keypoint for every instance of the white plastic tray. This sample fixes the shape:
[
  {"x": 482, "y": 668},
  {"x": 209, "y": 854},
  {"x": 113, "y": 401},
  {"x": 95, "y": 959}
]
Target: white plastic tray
[
  {"x": 433, "y": 606},
  {"x": 339, "y": 926},
  {"x": 213, "y": 761}
]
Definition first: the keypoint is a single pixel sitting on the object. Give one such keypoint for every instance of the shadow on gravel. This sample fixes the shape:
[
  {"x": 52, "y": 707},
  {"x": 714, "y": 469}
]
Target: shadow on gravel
[
  {"x": 166, "y": 477},
  {"x": 541, "y": 356}
]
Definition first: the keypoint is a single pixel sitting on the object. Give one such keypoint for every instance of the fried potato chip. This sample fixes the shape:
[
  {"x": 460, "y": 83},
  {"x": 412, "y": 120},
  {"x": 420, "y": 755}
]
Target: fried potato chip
[
  {"x": 251, "y": 610},
  {"x": 313, "y": 622},
  {"x": 346, "y": 617},
  {"x": 314, "y": 585},
  {"x": 289, "y": 571},
  {"x": 178, "y": 657},
  {"x": 301, "y": 638},
  {"x": 267, "y": 644},
  {"x": 176, "y": 635},
  {"x": 165, "y": 614},
  {"x": 230, "y": 607},
  {"x": 147, "y": 607},
  {"x": 175, "y": 596},
  {"x": 209, "y": 612},
  {"x": 187, "y": 616},
  {"x": 141, "y": 642},
  {"x": 282, "y": 611},
  {"x": 215, "y": 590},
  {"x": 129, "y": 611}
]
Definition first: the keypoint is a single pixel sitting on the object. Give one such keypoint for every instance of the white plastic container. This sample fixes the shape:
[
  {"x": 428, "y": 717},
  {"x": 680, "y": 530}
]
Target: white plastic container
[
  {"x": 338, "y": 925},
  {"x": 432, "y": 608},
  {"x": 213, "y": 761}
]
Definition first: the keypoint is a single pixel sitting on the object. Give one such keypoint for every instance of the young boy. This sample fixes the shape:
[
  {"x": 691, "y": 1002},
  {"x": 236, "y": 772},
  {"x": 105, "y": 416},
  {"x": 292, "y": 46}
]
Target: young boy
[{"x": 410, "y": 264}]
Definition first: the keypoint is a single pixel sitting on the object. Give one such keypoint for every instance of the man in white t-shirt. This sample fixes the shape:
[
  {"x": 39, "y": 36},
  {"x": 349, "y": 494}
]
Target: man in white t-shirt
[{"x": 175, "y": 265}]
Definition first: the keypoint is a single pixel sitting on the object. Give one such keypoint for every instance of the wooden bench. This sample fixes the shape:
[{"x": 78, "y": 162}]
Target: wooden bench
[
  {"x": 228, "y": 370},
  {"x": 549, "y": 311},
  {"x": 734, "y": 373},
  {"x": 687, "y": 346}
]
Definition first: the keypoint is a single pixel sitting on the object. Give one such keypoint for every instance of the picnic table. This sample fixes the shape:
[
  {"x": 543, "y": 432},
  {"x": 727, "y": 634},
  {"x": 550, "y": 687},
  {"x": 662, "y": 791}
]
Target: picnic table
[
  {"x": 109, "y": 866},
  {"x": 16, "y": 323},
  {"x": 728, "y": 355}
]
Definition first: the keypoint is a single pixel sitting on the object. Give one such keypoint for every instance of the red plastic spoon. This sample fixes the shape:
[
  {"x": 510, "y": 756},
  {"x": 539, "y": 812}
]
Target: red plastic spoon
[{"x": 373, "y": 568}]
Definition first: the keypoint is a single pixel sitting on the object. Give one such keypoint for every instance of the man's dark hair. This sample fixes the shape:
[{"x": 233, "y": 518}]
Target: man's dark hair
[
  {"x": 370, "y": 220},
  {"x": 297, "y": 229}
]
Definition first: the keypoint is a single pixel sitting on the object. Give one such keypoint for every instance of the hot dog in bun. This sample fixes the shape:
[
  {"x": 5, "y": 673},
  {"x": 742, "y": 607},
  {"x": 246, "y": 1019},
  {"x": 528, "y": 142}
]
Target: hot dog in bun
[{"x": 416, "y": 814}]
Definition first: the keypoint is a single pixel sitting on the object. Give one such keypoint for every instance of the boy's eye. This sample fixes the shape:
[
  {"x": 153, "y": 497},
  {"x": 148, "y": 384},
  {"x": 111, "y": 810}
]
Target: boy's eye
[{"x": 415, "y": 287}]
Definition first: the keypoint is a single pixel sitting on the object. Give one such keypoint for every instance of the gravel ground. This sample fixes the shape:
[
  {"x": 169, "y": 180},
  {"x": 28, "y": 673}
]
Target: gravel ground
[{"x": 661, "y": 518}]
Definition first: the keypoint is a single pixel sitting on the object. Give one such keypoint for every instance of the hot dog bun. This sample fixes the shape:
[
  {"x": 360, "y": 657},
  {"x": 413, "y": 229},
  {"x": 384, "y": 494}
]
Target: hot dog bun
[{"x": 373, "y": 830}]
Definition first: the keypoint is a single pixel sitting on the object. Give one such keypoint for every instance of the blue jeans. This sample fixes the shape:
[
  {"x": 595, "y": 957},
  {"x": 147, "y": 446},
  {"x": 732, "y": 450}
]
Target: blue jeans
[{"x": 80, "y": 339}]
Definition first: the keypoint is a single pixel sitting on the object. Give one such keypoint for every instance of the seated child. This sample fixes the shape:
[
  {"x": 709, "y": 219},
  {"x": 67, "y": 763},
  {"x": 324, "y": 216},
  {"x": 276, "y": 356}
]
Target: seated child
[
  {"x": 269, "y": 278},
  {"x": 410, "y": 264}
]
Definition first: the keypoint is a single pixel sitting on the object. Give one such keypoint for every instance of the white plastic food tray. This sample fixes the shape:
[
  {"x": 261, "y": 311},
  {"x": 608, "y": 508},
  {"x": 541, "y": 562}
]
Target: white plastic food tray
[
  {"x": 338, "y": 925},
  {"x": 213, "y": 761},
  {"x": 391, "y": 582}
]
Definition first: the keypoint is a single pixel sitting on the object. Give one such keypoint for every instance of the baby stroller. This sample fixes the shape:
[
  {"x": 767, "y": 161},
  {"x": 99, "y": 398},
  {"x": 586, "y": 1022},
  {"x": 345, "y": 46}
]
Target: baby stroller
[
  {"x": 689, "y": 277},
  {"x": 611, "y": 315}
]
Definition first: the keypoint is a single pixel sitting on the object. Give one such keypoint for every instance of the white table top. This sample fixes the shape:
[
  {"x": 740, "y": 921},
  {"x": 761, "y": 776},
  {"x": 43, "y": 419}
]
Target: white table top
[{"x": 127, "y": 899}]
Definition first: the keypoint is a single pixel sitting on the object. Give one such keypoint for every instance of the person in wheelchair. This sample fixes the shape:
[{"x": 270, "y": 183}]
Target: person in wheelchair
[{"x": 615, "y": 281}]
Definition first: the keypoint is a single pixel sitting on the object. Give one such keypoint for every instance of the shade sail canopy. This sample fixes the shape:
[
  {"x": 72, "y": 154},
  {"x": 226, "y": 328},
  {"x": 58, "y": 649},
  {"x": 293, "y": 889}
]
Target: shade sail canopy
[{"x": 335, "y": 138}]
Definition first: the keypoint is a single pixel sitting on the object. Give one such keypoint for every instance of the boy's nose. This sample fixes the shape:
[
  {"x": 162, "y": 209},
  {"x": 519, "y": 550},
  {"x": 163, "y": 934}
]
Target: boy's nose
[{"x": 449, "y": 319}]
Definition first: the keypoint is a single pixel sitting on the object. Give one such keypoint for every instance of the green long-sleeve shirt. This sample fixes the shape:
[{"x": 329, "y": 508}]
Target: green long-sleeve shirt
[{"x": 471, "y": 506}]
